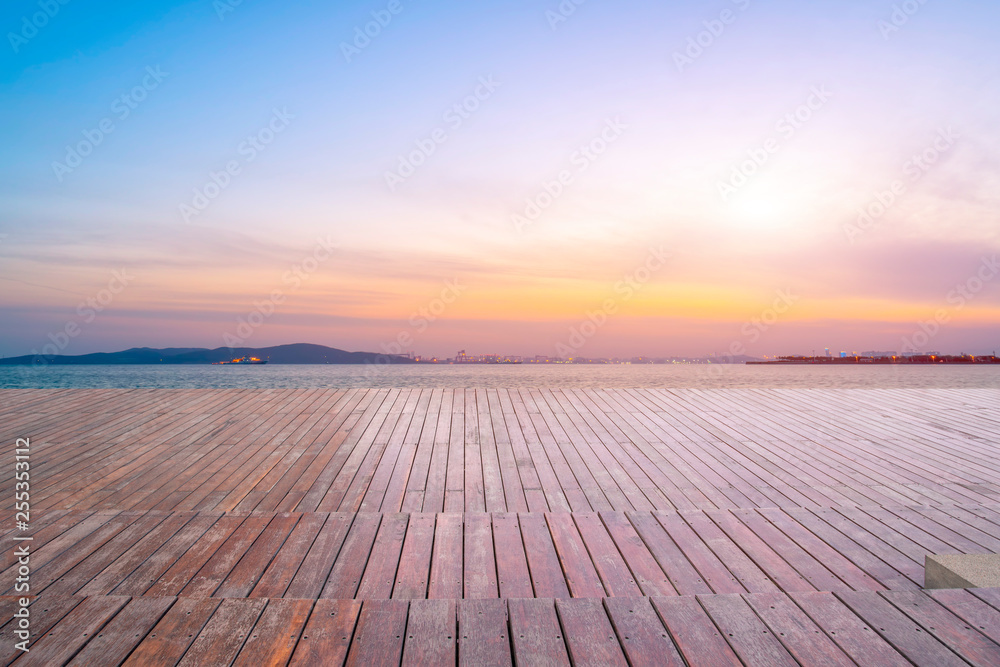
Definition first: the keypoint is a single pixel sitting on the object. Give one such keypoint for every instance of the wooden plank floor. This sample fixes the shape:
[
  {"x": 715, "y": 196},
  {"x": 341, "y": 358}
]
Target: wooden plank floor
[
  {"x": 429, "y": 526},
  {"x": 753, "y": 628},
  {"x": 561, "y": 555}
]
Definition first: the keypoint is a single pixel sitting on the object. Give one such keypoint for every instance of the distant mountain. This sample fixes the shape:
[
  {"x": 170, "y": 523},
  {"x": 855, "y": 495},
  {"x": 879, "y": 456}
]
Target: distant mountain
[{"x": 296, "y": 353}]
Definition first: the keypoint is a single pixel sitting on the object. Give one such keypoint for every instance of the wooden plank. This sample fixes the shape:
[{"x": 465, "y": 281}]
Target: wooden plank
[
  {"x": 547, "y": 578},
  {"x": 906, "y": 636},
  {"x": 79, "y": 564},
  {"x": 732, "y": 555},
  {"x": 753, "y": 642},
  {"x": 482, "y": 628},
  {"x": 174, "y": 633},
  {"x": 527, "y": 467},
  {"x": 446, "y": 562},
  {"x": 437, "y": 471},
  {"x": 803, "y": 563},
  {"x": 973, "y": 610},
  {"x": 276, "y": 634},
  {"x": 419, "y": 477},
  {"x": 311, "y": 576},
  {"x": 960, "y": 534},
  {"x": 713, "y": 571},
  {"x": 536, "y": 634},
  {"x": 293, "y": 449},
  {"x": 87, "y": 534},
  {"x": 641, "y": 633},
  {"x": 599, "y": 485},
  {"x": 556, "y": 479},
  {"x": 395, "y": 492},
  {"x": 581, "y": 575},
  {"x": 286, "y": 563},
  {"x": 513, "y": 577},
  {"x": 681, "y": 572},
  {"x": 245, "y": 575},
  {"x": 627, "y": 466},
  {"x": 431, "y": 633},
  {"x": 308, "y": 461},
  {"x": 610, "y": 566},
  {"x": 797, "y": 632},
  {"x": 225, "y": 633},
  {"x": 75, "y": 629},
  {"x": 480, "y": 562},
  {"x": 774, "y": 565},
  {"x": 647, "y": 574},
  {"x": 850, "y": 632},
  {"x": 365, "y": 440},
  {"x": 857, "y": 553},
  {"x": 379, "y": 636},
  {"x": 589, "y": 636},
  {"x": 972, "y": 645},
  {"x": 159, "y": 562},
  {"x": 113, "y": 644},
  {"x": 345, "y": 576},
  {"x": 582, "y": 489},
  {"x": 327, "y": 635},
  {"x": 846, "y": 569},
  {"x": 693, "y": 632},
  {"x": 454, "y": 490},
  {"x": 386, "y": 459},
  {"x": 380, "y": 574},
  {"x": 45, "y": 526},
  {"x": 510, "y": 471},
  {"x": 225, "y": 558},
  {"x": 43, "y": 614},
  {"x": 475, "y": 484},
  {"x": 413, "y": 575},
  {"x": 342, "y": 444},
  {"x": 990, "y": 596},
  {"x": 494, "y": 481}
]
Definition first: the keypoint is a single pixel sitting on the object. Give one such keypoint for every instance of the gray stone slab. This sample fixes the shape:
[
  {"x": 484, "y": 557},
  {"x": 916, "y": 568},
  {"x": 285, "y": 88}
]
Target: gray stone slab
[{"x": 962, "y": 571}]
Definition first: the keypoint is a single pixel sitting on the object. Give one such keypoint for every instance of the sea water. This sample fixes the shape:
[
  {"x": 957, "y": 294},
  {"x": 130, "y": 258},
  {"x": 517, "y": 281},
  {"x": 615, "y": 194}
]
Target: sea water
[{"x": 698, "y": 376}]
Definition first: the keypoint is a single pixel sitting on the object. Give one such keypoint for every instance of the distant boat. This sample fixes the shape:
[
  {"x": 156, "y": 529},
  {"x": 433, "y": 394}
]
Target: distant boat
[{"x": 241, "y": 360}]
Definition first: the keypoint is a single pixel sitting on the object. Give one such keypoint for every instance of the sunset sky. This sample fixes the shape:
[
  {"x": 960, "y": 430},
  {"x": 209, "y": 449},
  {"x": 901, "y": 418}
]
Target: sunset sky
[{"x": 492, "y": 176}]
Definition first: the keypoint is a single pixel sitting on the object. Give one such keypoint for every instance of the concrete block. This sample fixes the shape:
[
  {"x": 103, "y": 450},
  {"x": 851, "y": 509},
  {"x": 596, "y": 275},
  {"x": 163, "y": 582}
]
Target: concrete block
[{"x": 962, "y": 571}]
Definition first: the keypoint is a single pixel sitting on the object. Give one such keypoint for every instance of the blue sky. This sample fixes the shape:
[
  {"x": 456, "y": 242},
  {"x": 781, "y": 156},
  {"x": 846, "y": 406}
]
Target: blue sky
[{"x": 222, "y": 79}]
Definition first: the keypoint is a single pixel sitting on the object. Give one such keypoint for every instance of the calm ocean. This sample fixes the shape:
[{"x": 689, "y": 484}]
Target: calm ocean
[{"x": 679, "y": 375}]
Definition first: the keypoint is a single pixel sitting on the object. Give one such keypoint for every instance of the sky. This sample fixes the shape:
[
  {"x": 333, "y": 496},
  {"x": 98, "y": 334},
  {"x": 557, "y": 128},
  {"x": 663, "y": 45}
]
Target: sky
[{"x": 577, "y": 178}]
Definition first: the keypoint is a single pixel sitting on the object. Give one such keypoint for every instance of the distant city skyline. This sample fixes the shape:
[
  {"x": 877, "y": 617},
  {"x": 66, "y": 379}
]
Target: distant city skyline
[{"x": 608, "y": 179}]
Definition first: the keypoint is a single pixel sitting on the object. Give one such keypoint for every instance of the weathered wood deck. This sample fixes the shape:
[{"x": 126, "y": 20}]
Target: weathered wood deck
[{"x": 502, "y": 526}]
